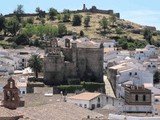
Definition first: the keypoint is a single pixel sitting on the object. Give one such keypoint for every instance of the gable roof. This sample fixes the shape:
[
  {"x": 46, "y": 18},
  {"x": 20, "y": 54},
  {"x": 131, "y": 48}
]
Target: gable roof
[{"x": 85, "y": 96}]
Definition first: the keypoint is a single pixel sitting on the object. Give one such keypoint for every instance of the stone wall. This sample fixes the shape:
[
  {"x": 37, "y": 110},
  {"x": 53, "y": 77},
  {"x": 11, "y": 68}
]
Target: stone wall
[
  {"x": 73, "y": 62},
  {"x": 95, "y": 10}
]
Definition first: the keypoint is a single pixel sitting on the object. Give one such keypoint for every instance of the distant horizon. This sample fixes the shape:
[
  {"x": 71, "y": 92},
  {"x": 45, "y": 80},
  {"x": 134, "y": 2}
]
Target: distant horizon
[{"x": 137, "y": 11}]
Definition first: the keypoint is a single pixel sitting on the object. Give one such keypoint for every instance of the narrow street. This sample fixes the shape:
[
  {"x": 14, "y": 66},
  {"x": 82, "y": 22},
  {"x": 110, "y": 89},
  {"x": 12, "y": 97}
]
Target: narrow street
[{"x": 109, "y": 90}]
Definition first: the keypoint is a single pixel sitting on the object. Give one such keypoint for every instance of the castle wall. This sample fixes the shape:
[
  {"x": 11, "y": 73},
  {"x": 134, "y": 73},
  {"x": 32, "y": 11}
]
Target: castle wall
[
  {"x": 67, "y": 52},
  {"x": 73, "y": 62},
  {"x": 95, "y": 62},
  {"x": 54, "y": 69},
  {"x": 81, "y": 62},
  {"x": 70, "y": 70},
  {"x": 90, "y": 60}
]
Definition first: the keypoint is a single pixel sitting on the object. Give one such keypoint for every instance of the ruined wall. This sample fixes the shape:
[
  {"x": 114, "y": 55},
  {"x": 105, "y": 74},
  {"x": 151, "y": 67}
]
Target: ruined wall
[
  {"x": 67, "y": 52},
  {"x": 90, "y": 61},
  {"x": 53, "y": 69}
]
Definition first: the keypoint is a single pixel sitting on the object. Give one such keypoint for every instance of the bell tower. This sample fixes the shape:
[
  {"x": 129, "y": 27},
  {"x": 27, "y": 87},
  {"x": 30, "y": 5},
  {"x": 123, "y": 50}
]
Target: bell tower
[{"x": 11, "y": 95}]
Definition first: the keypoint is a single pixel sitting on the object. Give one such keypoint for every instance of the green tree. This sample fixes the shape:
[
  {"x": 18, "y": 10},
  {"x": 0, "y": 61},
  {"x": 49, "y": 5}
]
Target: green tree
[
  {"x": 21, "y": 39},
  {"x": 157, "y": 43},
  {"x": 51, "y": 31},
  {"x": 40, "y": 13},
  {"x": 81, "y": 33},
  {"x": 62, "y": 30},
  {"x": 113, "y": 19},
  {"x": 77, "y": 19},
  {"x": 86, "y": 21},
  {"x": 42, "y": 21},
  {"x": 118, "y": 30},
  {"x": 156, "y": 77},
  {"x": 2, "y": 22},
  {"x": 52, "y": 13},
  {"x": 123, "y": 43},
  {"x": 29, "y": 30},
  {"x": 148, "y": 36},
  {"x": 12, "y": 26},
  {"x": 104, "y": 23},
  {"x": 59, "y": 17},
  {"x": 30, "y": 20},
  {"x": 35, "y": 63},
  {"x": 66, "y": 16},
  {"x": 131, "y": 46},
  {"x": 19, "y": 12}
]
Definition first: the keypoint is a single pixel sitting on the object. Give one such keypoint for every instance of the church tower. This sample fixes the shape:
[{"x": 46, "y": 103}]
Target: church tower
[{"x": 11, "y": 95}]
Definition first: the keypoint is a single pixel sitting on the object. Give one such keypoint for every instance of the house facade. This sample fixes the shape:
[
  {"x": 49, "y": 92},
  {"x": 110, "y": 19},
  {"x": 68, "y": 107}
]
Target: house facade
[{"x": 88, "y": 100}]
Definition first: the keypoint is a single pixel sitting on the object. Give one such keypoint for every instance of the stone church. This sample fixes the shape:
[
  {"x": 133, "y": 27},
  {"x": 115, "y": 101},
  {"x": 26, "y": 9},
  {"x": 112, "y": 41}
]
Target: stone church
[{"x": 69, "y": 60}]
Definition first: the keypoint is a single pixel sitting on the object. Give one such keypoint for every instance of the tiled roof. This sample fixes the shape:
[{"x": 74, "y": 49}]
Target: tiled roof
[
  {"x": 4, "y": 112},
  {"x": 58, "y": 111},
  {"x": 85, "y": 96}
]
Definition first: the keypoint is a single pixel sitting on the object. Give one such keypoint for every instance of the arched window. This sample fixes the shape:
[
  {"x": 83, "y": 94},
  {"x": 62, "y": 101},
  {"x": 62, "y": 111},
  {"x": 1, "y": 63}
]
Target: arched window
[
  {"x": 11, "y": 84},
  {"x": 144, "y": 97},
  {"x": 136, "y": 98}
]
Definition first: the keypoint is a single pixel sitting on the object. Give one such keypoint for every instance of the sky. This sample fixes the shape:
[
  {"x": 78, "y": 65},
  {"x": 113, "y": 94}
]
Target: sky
[{"x": 144, "y": 12}]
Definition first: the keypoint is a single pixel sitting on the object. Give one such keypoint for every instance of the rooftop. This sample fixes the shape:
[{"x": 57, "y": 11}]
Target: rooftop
[
  {"x": 4, "y": 112},
  {"x": 85, "y": 96}
]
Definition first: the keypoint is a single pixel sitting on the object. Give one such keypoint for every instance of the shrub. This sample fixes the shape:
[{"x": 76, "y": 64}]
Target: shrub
[
  {"x": 69, "y": 88},
  {"x": 93, "y": 86},
  {"x": 21, "y": 39},
  {"x": 77, "y": 19}
]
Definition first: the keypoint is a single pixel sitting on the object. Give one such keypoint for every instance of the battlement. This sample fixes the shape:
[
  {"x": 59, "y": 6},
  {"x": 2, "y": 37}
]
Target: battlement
[{"x": 93, "y": 9}]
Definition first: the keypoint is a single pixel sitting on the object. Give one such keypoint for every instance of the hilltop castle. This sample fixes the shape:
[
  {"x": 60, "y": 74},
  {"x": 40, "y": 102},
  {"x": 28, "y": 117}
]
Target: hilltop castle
[
  {"x": 93, "y": 9},
  {"x": 72, "y": 62}
]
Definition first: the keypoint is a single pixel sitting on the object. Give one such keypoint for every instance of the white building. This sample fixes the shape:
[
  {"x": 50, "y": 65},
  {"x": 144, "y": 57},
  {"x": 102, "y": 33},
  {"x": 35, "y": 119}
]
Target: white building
[
  {"x": 88, "y": 100},
  {"x": 150, "y": 51},
  {"x": 6, "y": 69}
]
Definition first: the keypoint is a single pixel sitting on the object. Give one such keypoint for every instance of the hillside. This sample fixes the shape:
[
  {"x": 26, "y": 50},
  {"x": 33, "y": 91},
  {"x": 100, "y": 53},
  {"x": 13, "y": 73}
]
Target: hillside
[{"x": 119, "y": 29}]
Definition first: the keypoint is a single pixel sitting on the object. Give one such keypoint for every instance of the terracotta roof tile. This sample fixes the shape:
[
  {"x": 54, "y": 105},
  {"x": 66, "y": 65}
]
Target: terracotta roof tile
[{"x": 85, "y": 96}]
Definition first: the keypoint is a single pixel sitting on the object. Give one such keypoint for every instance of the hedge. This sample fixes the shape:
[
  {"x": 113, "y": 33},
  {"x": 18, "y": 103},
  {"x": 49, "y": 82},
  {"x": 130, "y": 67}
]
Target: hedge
[
  {"x": 93, "y": 86},
  {"x": 69, "y": 88},
  {"x": 88, "y": 86}
]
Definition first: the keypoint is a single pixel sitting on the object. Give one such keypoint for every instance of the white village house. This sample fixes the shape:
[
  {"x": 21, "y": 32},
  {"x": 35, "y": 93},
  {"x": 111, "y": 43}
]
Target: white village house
[{"x": 88, "y": 100}]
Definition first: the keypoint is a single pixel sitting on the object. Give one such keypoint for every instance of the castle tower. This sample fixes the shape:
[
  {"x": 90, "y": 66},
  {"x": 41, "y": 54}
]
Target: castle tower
[
  {"x": 53, "y": 64},
  {"x": 84, "y": 7}
]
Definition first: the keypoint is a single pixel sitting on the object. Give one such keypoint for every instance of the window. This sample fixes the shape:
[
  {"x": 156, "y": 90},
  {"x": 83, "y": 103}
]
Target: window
[
  {"x": 11, "y": 84},
  {"x": 136, "y": 98},
  {"x": 135, "y": 73},
  {"x": 153, "y": 66},
  {"x": 85, "y": 105},
  {"x": 149, "y": 65},
  {"x": 98, "y": 105},
  {"x": 80, "y": 105},
  {"x": 23, "y": 92},
  {"x": 98, "y": 99},
  {"x": 144, "y": 97},
  {"x": 130, "y": 73},
  {"x": 93, "y": 106}
]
